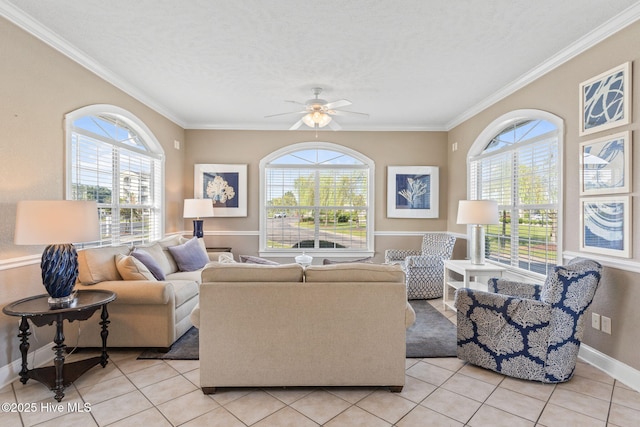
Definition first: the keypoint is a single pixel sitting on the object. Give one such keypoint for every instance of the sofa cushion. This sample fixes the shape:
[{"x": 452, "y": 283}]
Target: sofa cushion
[
  {"x": 184, "y": 290},
  {"x": 167, "y": 242},
  {"x": 98, "y": 264},
  {"x": 241, "y": 272},
  {"x": 130, "y": 268},
  {"x": 189, "y": 256},
  {"x": 256, "y": 260},
  {"x": 354, "y": 272},
  {"x": 149, "y": 261},
  {"x": 161, "y": 257}
]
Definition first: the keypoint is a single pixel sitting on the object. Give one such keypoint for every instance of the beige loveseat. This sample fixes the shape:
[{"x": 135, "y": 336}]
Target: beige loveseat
[
  {"x": 282, "y": 325},
  {"x": 147, "y": 312}
]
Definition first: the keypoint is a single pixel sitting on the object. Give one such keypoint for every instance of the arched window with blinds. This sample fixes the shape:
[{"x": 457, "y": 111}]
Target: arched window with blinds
[
  {"x": 114, "y": 159},
  {"x": 518, "y": 164}
]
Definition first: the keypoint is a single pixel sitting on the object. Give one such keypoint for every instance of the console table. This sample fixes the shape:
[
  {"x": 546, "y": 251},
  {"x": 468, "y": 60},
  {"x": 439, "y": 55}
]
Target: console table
[
  {"x": 36, "y": 309},
  {"x": 470, "y": 273}
]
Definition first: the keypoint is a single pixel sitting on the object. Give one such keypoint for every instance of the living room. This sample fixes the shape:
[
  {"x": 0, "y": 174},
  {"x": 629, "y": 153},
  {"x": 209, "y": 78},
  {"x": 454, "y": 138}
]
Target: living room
[{"x": 41, "y": 85}]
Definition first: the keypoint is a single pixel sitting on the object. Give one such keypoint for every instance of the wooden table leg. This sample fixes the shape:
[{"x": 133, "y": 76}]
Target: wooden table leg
[
  {"x": 58, "y": 361},
  {"x": 24, "y": 349},
  {"x": 104, "y": 334}
]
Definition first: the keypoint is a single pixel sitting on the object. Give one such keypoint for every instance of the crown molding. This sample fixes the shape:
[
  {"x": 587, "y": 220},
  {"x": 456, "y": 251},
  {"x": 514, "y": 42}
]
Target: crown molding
[
  {"x": 36, "y": 29},
  {"x": 615, "y": 24}
]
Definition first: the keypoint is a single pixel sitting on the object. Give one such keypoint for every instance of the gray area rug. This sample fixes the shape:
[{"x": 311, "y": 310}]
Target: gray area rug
[{"x": 433, "y": 335}]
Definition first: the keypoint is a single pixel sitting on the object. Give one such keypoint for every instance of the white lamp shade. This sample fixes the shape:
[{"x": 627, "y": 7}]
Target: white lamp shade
[
  {"x": 45, "y": 222},
  {"x": 478, "y": 212},
  {"x": 197, "y": 208}
]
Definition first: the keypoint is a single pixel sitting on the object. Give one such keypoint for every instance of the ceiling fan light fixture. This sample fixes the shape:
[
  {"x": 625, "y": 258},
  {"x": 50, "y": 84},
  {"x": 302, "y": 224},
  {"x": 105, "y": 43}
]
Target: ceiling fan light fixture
[{"x": 316, "y": 118}]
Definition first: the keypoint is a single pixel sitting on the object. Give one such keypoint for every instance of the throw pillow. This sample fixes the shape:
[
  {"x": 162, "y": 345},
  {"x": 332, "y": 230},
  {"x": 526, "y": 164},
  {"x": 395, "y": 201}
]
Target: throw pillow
[
  {"x": 226, "y": 258},
  {"x": 256, "y": 260},
  {"x": 132, "y": 269},
  {"x": 145, "y": 258},
  {"x": 327, "y": 261},
  {"x": 189, "y": 256}
]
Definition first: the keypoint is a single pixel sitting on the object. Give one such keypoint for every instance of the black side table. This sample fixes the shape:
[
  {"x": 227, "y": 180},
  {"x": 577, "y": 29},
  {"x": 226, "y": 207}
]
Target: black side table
[{"x": 36, "y": 309}]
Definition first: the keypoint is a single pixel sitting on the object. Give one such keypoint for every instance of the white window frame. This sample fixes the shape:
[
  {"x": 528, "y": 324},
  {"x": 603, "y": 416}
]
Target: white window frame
[
  {"x": 333, "y": 253},
  {"x": 496, "y": 127},
  {"x": 154, "y": 150}
]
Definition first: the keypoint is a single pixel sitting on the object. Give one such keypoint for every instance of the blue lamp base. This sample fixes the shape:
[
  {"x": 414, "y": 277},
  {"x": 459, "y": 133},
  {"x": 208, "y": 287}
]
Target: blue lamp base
[
  {"x": 59, "y": 273},
  {"x": 197, "y": 228}
]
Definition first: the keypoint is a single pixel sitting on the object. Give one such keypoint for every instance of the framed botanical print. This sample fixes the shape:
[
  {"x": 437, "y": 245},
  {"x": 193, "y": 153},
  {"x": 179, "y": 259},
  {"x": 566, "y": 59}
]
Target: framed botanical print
[
  {"x": 605, "y": 100},
  {"x": 225, "y": 185},
  {"x": 605, "y": 225},
  {"x": 412, "y": 191},
  {"x": 606, "y": 165}
]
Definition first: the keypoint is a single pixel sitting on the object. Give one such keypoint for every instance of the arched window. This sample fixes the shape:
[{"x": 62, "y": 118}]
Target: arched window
[
  {"x": 316, "y": 197},
  {"x": 516, "y": 161},
  {"x": 114, "y": 159}
]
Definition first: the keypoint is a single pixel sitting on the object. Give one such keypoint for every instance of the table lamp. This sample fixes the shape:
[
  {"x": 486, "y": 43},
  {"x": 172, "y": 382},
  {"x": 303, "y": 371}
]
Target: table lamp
[
  {"x": 477, "y": 213},
  {"x": 50, "y": 222},
  {"x": 198, "y": 208}
]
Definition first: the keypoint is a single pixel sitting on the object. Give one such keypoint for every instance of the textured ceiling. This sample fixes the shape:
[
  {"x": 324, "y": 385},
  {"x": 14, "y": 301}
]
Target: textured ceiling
[{"x": 411, "y": 65}]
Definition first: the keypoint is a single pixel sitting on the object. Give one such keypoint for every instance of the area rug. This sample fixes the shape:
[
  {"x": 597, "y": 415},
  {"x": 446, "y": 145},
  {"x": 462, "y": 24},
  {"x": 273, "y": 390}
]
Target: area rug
[{"x": 432, "y": 335}]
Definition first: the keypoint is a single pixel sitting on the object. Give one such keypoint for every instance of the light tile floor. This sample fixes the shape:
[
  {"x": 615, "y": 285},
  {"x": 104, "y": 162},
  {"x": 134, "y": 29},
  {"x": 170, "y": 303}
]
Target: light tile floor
[{"x": 438, "y": 392}]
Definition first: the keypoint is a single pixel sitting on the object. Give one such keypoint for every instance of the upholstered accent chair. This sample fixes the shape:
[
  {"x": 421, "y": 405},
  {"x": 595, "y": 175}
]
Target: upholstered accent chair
[
  {"x": 424, "y": 269},
  {"x": 527, "y": 331}
]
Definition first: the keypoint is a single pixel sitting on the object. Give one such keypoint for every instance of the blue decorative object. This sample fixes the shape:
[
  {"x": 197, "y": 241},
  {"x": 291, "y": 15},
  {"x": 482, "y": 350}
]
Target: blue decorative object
[
  {"x": 197, "y": 228},
  {"x": 528, "y": 331},
  {"x": 59, "y": 269}
]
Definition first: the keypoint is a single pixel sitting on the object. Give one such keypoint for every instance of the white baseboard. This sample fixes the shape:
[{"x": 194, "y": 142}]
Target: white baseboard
[
  {"x": 614, "y": 368},
  {"x": 40, "y": 357}
]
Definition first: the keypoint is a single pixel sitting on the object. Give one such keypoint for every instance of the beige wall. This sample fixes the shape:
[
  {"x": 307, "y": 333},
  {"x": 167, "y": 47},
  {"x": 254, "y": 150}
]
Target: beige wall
[
  {"x": 557, "y": 92},
  {"x": 385, "y": 148},
  {"x": 38, "y": 87}
]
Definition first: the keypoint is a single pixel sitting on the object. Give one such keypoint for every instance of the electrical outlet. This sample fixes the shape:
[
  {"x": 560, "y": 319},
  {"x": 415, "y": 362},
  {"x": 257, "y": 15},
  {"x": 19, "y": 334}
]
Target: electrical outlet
[
  {"x": 595, "y": 321},
  {"x": 606, "y": 325}
]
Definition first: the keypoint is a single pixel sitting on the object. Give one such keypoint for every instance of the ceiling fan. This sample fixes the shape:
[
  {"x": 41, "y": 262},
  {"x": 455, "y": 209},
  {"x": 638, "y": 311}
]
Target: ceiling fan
[{"x": 317, "y": 112}]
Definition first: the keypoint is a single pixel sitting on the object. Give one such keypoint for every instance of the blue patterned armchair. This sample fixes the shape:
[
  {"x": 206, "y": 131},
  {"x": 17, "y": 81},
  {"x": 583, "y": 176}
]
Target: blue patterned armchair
[
  {"x": 528, "y": 331},
  {"x": 424, "y": 269}
]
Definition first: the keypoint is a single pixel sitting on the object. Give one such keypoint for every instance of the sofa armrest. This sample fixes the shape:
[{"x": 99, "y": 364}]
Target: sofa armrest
[
  {"x": 395, "y": 255},
  {"x": 514, "y": 289},
  {"x": 136, "y": 292}
]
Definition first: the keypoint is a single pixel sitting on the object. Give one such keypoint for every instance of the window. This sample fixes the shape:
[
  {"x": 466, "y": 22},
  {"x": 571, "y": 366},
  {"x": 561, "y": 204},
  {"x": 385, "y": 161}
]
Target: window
[
  {"x": 518, "y": 164},
  {"x": 114, "y": 159},
  {"x": 316, "y": 197}
]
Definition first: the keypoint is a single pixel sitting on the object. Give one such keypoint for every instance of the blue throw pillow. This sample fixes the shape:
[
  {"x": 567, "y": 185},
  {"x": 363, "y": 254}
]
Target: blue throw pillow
[
  {"x": 146, "y": 258},
  {"x": 189, "y": 256}
]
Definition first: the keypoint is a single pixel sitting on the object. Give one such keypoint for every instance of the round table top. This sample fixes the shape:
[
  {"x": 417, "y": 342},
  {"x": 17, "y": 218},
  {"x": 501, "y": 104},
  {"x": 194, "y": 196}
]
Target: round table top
[{"x": 39, "y": 305}]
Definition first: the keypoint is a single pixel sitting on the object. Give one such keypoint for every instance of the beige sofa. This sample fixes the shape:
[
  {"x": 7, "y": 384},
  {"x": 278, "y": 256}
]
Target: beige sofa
[
  {"x": 331, "y": 325},
  {"x": 147, "y": 312}
]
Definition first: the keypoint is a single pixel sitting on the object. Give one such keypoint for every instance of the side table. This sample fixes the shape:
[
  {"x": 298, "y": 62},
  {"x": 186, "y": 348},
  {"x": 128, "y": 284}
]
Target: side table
[
  {"x": 36, "y": 309},
  {"x": 470, "y": 274}
]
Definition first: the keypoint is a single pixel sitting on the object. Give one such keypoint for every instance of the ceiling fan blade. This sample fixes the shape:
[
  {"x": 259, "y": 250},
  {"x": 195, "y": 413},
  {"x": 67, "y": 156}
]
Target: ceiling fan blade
[
  {"x": 284, "y": 114},
  {"x": 338, "y": 104},
  {"x": 335, "y": 126},
  {"x": 348, "y": 113},
  {"x": 296, "y": 125},
  {"x": 295, "y": 102}
]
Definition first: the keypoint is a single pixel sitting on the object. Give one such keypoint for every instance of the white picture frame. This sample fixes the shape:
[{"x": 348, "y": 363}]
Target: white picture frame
[
  {"x": 605, "y": 225},
  {"x": 413, "y": 191},
  {"x": 605, "y": 100},
  {"x": 606, "y": 165},
  {"x": 225, "y": 185}
]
